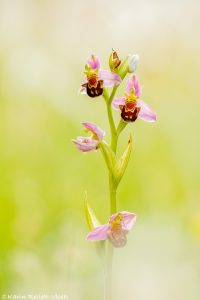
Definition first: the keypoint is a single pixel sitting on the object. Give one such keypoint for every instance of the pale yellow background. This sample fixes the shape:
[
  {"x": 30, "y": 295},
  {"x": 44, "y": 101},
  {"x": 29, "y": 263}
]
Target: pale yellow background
[{"x": 43, "y": 48}]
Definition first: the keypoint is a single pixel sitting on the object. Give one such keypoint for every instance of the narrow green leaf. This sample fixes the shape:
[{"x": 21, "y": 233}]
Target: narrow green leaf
[
  {"x": 93, "y": 222},
  {"x": 122, "y": 124},
  {"x": 122, "y": 163},
  {"x": 91, "y": 218},
  {"x": 108, "y": 155}
]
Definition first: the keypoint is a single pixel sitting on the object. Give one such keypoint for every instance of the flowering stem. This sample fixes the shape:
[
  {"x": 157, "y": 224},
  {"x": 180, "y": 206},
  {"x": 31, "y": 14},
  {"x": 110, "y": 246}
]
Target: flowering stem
[
  {"x": 95, "y": 82},
  {"x": 113, "y": 131},
  {"x": 113, "y": 206},
  {"x": 112, "y": 94},
  {"x": 108, "y": 272},
  {"x": 112, "y": 188},
  {"x": 109, "y": 250}
]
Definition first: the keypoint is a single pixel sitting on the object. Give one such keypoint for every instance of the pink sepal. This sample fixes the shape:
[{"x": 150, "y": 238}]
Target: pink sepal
[
  {"x": 109, "y": 79},
  {"x": 117, "y": 102},
  {"x": 99, "y": 233},
  {"x": 146, "y": 113}
]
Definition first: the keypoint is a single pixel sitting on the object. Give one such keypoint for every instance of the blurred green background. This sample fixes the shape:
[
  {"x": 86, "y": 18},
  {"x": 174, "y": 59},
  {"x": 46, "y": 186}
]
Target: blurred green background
[{"x": 43, "y": 48}]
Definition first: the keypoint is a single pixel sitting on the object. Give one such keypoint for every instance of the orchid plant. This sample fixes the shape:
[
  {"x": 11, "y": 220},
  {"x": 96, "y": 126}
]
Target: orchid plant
[{"x": 96, "y": 82}]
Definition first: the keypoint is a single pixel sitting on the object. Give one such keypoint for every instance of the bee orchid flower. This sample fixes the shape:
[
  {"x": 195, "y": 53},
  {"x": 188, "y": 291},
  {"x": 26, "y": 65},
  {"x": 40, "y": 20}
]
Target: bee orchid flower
[
  {"x": 115, "y": 230},
  {"x": 131, "y": 106},
  {"x": 96, "y": 78},
  {"x": 88, "y": 144}
]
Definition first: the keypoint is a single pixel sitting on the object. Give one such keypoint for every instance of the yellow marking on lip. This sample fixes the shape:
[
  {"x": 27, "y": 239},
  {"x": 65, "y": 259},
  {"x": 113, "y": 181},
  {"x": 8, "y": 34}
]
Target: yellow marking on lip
[{"x": 117, "y": 220}]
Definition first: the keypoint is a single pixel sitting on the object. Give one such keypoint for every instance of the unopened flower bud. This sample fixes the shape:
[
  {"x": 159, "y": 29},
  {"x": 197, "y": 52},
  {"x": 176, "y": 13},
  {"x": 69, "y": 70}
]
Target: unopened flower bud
[
  {"x": 114, "y": 61},
  {"x": 133, "y": 61},
  {"x": 129, "y": 65}
]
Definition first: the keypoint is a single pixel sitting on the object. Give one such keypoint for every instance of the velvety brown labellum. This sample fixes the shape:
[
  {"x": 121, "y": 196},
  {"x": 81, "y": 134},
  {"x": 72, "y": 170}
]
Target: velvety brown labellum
[
  {"x": 128, "y": 113},
  {"x": 95, "y": 91}
]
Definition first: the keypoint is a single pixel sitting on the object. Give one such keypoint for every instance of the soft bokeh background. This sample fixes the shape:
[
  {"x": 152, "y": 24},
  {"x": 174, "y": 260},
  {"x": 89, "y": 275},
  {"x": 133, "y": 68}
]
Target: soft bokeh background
[{"x": 43, "y": 48}]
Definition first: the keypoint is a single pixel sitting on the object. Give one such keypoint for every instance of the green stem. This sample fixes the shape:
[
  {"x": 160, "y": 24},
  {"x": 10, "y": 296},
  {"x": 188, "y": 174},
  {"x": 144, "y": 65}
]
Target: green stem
[
  {"x": 113, "y": 205},
  {"x": 108, "y": 272},
  {"x": 109, "y": 252},
  {"x": 112, "y": 189},
  {"x": 113, "y": 131},
  {"x": 112, "y": 94}
]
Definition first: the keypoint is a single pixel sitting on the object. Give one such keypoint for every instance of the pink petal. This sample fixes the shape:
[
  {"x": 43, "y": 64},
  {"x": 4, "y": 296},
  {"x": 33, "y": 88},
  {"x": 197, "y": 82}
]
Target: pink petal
[
  {"x": 82, "y": 89},
  {"x": 94, "y": 62},
  {"x": 113, "y": 217},
  {"x": 84, "y": 80},
  {"x": 109, "y": 79},
  {"x": 129, "y": 220},
  {"x": 85, "y": 144},
  {"x": 95, "y": 129},
  {"x": 146, "y": 113},
  {"x": 118, "y": 101},
  {"x": 99, "y": 233},
  {"x": 133, "y": 82}
]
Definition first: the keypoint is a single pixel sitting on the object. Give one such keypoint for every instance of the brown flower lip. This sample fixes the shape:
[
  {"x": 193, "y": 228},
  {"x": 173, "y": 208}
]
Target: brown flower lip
[
  {"x": 129, "y": 112},
  {"x": 94, "y": 90}
]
